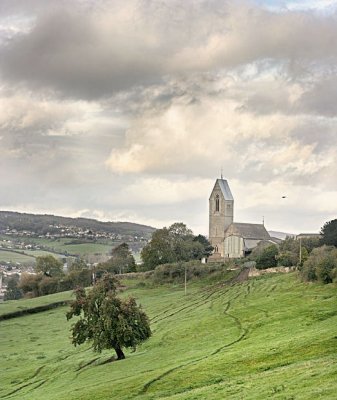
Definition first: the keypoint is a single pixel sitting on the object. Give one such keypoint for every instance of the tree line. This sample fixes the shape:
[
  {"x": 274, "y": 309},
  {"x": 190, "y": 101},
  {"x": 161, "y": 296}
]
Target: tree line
[
  {"x": 315, "y": 258},
  {"x": 176, "y": 243}
]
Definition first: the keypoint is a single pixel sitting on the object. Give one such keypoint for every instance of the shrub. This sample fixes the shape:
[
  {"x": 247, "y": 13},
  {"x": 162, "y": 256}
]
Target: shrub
[
  {"x": 12, "y": 291},
  {"x": 321, "y": 265},
  {"x": 175, "y": 272},
  {"x": 287, "y": 259},
  {"x": 48, "y": 285},
  {"x": 267, "y": 258},
  {"x": 65, "y": 283},
  {"x": 29, "y": 284}
]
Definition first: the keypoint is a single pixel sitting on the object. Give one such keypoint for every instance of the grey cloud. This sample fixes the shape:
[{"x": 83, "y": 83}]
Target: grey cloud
[
  {"x": 321, "y": 99},
  {"x": 65, "y": 51},
  {"x": 92, "y": 54},
  {"x": 321, "y": 133}
]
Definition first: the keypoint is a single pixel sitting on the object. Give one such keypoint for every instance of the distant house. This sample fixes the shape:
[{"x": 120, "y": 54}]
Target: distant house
[
  {"x": 308, "y": 236},
  {"x": 231, "y": 239}
]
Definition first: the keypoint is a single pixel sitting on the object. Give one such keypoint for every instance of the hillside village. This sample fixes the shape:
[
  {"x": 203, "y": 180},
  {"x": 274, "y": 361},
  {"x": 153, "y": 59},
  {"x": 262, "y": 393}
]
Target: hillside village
[{"x": 25, "y": 236}]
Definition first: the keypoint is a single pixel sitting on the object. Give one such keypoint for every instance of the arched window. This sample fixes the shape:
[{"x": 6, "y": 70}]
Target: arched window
[
  {"x": 217, "y": 203},
  {"x": 216, "y": 249}
]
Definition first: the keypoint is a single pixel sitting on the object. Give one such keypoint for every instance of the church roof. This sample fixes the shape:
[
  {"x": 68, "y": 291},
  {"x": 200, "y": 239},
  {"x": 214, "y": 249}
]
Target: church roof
[
  {"x": 250, "y": 244},
  {"x": 225, "y": 189},
  {"x": 248, "y": 231}
]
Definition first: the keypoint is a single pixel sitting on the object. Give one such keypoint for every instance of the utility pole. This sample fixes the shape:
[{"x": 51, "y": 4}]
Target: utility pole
[
  {"x": 300, "y": 250},
  {"x": 185, "y": 280}
]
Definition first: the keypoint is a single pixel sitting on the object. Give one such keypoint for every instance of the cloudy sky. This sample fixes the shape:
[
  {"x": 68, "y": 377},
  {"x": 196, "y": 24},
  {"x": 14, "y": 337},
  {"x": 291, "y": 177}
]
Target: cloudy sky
[{"x": 128, "y": 109}]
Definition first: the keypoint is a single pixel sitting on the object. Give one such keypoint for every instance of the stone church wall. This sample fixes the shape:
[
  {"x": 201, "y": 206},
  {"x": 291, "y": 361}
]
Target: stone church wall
[{"x": 233, "y": 247}]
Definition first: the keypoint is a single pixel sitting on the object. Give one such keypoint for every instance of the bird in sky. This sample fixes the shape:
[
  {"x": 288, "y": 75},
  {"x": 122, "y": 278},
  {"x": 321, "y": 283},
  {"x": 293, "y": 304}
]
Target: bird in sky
[{"x": 284, "y": 197}]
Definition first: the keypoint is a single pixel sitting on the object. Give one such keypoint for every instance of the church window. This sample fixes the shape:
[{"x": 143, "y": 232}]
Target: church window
[{"x": 217, "y": 203}]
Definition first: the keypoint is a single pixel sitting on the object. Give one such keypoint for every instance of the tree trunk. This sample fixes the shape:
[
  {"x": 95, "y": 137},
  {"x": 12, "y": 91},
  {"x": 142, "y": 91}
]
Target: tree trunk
[{"x": 120, "y": 354}]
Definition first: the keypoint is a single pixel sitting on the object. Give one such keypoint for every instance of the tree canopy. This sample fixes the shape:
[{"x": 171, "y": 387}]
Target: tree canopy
[
  {"x": 121, "y": 261},
  {"x": 321, "y": 265},
  {"x": 78, "y": 265},
  {"x": 49, "y": 266},
  {"x": 13, "y": 292},
  {"x": 106, "y": 320},
  {"x": 329, "y": 233},
  {"x": 174, "y": 244}
]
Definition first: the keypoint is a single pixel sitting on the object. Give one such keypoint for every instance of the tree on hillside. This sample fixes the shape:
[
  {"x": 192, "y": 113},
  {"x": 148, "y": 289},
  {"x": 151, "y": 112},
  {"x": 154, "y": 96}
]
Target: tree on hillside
[
  {"x": 179, "y": 231},
  {"x": 49, "y": 266},
  {"x": 106, "y": 320},
  {"x": 329, "y": 233},
  {"x": 78, "y": 265},
  {"x": 122, "y": 259},
  {"x": 289, "y": 252},
  {"x": 120, "y": 262},
  {"x": 183, "y": 246},
  {"x": 208, "y": 248},
  {"x": 158, "y": 250},
  {"x": 173, "y": 244}
]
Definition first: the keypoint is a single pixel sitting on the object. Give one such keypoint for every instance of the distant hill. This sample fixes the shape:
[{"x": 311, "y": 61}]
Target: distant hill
[
  {"x": 42, "y": 224},
  {"x": 280, "y": 235}
]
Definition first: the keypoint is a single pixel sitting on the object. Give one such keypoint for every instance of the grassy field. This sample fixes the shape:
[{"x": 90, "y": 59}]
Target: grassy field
[
  {"x": 24, "y": 304},
  {"x": 38, "y": 253},
  {"x": 61, "y": 247},
  {"x": 25, "y": 258},
  {"x": 269, "y": 337},
  {"x": 70, "y": 245},
  {"x": 14, "y": 257}
]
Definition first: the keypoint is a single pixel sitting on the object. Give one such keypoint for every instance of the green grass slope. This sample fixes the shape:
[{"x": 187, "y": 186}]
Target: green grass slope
[{"x": 269, "y": 337}]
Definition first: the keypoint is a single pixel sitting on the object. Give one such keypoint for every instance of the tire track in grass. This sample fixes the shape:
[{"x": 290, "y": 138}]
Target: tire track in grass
[
  {"x": 36, "y": 373},
  {"x": 80, "y": 367},
  {"x": 40, "y": 384},
  {"x": 10, "y": 394},
  {"x": 26, "y": 380},
  {"x": 265, "y": 312},
  {"x": 193, "y": 304},
  {"x": 190, "y": 303},
  {"x": 209, "y": 292},
  {"x": 243, "y": 333},
  {"x": 205, "y": 294}
]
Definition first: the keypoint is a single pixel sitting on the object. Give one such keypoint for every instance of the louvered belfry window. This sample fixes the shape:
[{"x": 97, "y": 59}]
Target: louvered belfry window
[{"x": 217, "y": 203}]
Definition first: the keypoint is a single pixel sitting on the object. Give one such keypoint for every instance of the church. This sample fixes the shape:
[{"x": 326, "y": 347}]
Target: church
[{"x": 231, "y": 239}]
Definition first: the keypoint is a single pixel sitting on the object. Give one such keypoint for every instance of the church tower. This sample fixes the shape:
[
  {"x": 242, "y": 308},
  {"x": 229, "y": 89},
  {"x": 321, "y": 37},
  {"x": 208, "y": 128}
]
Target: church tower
[{"x": 221, "y": 211}]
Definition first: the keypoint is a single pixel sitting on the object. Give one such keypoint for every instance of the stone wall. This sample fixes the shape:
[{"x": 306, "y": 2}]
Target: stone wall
[{"x": 258, "y": 272}]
